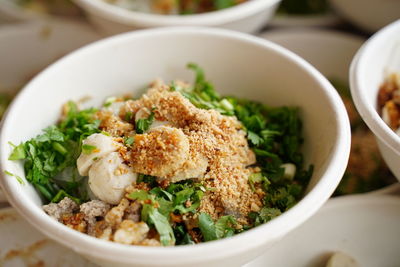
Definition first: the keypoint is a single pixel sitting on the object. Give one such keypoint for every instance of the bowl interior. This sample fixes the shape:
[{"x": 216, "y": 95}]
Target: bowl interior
[
  {"x": 330, "y": 52},
  {"x": 237, "y": 64}
]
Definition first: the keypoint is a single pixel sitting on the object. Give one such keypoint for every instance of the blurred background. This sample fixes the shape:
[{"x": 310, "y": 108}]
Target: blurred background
[{"x": 327, "y": 33}]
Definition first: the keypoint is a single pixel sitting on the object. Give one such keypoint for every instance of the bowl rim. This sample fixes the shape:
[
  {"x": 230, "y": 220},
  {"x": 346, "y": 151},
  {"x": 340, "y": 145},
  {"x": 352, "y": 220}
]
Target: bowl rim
[
  {"x": 125, "y": 16},
  {"x": 106, "y": 250},
  {"x": 368, "y": 111}
]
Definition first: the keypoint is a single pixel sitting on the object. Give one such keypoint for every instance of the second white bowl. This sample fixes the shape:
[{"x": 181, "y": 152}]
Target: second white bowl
[
  {"x": 248, "y": 17},
  {"x": 379, "y": 57}
]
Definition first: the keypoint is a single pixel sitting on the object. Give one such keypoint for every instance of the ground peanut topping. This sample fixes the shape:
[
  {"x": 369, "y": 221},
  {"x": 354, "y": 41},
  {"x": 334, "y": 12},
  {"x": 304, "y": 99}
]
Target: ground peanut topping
[{"x": 201, "y": 143}]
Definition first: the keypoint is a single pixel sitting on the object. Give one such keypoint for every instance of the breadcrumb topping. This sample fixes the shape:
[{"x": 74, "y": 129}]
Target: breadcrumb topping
[{"x": 199, "y": 144}]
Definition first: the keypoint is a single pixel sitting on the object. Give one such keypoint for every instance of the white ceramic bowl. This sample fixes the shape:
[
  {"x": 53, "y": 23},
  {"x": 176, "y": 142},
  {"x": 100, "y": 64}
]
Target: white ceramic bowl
[
  {"x": 248, "y": 17},
  {"x": 369, "y": 15},
  {"x": 379, "y": 57},
  {"x": 25, "y": 49},
  {"x": 237, "y": 64}
]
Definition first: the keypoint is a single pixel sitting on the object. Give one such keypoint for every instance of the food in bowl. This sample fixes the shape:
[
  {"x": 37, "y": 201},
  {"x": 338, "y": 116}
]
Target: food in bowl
[
  {"x": 175, "y": 7},
  {"x": 389, "y": 101},
  {"x": 179, "y": 165},
  {"x": 366, "y": 170}
]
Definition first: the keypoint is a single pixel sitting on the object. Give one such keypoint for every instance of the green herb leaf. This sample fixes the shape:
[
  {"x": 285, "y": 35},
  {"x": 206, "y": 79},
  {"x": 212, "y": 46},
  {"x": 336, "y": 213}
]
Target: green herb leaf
[
  {"x": 19, "y": 179},
  {"x": 140, "y": 194},
  {"x": 207, "y": 227},
  {"x": 129, "y": 141},
  {"x": 221, "y": 4},
  {"x": 254, "y": 138},
  {"x": 142, "y": 125},
  {"x": 53, "y": 154},
  {"x": 224, "y": 226},
  {"x": 258, "y": 178},
  {"x": 18, "y": 152},
  {"x": 163, "y": 227},
  {"x": 88, "y": 149}
]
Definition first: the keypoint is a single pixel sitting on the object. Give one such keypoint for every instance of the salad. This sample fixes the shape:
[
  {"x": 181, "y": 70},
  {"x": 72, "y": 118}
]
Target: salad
[
  {"x": 178, "y": 165},
  {"x": 175, "y": 7}
]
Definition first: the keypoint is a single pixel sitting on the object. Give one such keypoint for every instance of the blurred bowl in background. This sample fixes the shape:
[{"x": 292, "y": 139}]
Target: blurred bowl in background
[
  {"x": 25, "y": 49},
  {"x": 379, "y": 57},
  {"x": 331, "y": 52},
  {"x": 248, "y": 17},
  {"x": 368, "y": 15}
]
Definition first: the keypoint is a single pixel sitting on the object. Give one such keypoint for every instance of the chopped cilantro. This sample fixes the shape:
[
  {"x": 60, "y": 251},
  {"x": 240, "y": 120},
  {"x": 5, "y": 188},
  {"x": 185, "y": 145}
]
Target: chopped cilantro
[
  {"x": 19, "y": 179},
  {"x": 128, "y": 116},
  {"x": 221, "y": 4},
  {"x": 207, "y": 227},
  {"x": 109, "y": 101},
  {"x": 182, "y": 237},
  {"x": 88, "y": 149},
  {"x": 18, "y": 152},
  {"x": 163, "y": 227},
  {"x": 265, "y": 215},
  {"x": 223, "y": 227},
  {"x": 50, "y": 158},
  {"x": 129, "y": 141},
  {"x": 142, "y": 125}
]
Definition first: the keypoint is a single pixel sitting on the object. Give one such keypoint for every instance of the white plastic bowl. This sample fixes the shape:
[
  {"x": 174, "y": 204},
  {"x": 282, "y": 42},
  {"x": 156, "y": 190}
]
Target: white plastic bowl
[
  {"x": 369, "y": 15},
  {"x": 25, "y": 49},
  {"x": 379, "y": 57},
  {"x": 237, "y": 64},
  {"x": 247, "y": 17}
]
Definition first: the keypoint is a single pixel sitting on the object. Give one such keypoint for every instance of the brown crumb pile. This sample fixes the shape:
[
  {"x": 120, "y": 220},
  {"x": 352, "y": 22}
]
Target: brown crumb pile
[
  {"x": 195, "y": 143},
  {"x": 389, "y": 100}
]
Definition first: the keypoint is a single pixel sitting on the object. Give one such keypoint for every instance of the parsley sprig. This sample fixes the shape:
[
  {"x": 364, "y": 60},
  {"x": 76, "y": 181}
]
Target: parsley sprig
[
  {"x": 158, "y": 204},
  {"x": 50, "y": 158}
]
